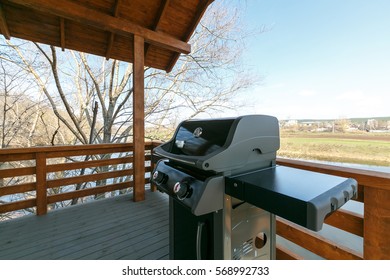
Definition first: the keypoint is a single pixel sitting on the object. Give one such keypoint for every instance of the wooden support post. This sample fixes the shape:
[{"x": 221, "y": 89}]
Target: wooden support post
[
  {"x": 41, "y": 189},
  {"x": 376, "y": 224},
  {"x": 138, "y": 119}
]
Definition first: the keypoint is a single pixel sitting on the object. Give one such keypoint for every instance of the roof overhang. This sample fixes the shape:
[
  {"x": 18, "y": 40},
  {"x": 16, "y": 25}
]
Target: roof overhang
[{"x": 107, "y": 27}]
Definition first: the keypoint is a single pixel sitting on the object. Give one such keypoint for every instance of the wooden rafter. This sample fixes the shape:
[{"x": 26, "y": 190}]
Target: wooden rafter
[
  {"x": 202, "y": 6},
  {"x": 160, "y": 15},
  {"x": 74, "y": 11},
  {"x": 3, "y": 24},
  {"x": 112, "y": 35},
  {"x": 62, "y": 33},
  {"x": 109, "y": 45}
]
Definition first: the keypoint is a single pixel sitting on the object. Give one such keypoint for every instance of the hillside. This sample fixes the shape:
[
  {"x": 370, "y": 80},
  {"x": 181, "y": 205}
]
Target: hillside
[
  {"x": 353, "y": 120},
  {"x": 376, "y": 124}
]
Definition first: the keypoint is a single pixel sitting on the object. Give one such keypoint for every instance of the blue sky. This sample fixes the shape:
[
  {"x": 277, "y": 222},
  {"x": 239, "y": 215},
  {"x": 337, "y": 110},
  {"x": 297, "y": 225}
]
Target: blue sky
[{"x": 320, "y": 58}]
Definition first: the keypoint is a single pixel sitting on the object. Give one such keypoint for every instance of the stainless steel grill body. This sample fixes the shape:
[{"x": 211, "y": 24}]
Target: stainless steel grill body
[{"x": 225, "y": 189}]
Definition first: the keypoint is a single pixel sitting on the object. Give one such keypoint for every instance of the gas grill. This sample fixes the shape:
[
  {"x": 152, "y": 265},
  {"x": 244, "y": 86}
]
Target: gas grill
[{"x": 225, "y": 189}]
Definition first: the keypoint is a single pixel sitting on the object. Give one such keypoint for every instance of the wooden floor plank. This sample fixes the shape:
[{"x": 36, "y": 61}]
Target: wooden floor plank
[
  {"x": 112, "y": 228},
  {"x": 97, "y": 247},
  {"x": 135, "y": 250},
  {"x": 69, "y": 234},
  {"x": 157, "y": 254},
  {"x": 93, "y": 239},
  {"x": 62, "y": 222}
]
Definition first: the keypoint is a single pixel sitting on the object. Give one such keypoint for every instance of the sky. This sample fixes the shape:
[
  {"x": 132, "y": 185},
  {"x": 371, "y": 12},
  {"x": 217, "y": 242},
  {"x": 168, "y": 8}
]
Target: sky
[{"x": 323, "y": 59}]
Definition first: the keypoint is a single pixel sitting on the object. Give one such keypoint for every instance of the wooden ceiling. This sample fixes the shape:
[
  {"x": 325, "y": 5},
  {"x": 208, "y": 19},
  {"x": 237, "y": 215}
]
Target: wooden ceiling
[{"x": 106, "y": 27}]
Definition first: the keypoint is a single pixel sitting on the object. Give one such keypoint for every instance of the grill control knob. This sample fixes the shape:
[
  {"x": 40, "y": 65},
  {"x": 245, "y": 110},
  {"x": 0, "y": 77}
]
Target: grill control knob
[
  {"x": 159, "y": 177},
  {"x": 181, "y": 189}
]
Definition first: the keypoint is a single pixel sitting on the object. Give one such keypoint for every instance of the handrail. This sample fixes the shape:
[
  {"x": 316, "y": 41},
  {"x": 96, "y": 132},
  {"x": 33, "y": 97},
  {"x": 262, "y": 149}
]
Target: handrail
[
  {"x": 314, "y": 242},
  {"x": 374, "y": 192},
  {"x": 368, "y": 178},
  {"x": 41, "y": 168}
]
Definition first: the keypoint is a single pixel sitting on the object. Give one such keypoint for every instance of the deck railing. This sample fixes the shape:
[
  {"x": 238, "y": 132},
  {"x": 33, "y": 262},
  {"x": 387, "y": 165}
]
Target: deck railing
[
  {"x": 373, "y": 226},
  {"x": 43, "y": 176},
  {"x": 108, "y": 168}
]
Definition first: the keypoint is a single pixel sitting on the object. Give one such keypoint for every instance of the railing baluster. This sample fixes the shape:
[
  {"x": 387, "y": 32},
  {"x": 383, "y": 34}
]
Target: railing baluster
[
  {"x": 41, "y": 183},
  {"x": 153, "y": 161}
]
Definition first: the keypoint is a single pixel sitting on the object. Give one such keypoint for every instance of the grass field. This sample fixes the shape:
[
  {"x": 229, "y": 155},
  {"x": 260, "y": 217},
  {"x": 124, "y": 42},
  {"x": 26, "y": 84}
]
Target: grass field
[{"x": 362, "y": 148}]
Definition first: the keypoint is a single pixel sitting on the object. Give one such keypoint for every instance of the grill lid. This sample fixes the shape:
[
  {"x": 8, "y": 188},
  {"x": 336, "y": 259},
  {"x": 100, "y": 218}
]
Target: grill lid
[{"x": 223, "y": 144}]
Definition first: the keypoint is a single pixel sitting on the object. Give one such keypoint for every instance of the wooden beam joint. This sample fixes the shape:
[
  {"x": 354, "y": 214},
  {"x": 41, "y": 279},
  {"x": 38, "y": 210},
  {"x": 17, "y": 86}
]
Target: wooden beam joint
[
  {"x": 201, "y": 9},
  {"x": 79, "y": 13},
  {"x": 112, "y": 35},
  {"x": 161, "y": 13}
]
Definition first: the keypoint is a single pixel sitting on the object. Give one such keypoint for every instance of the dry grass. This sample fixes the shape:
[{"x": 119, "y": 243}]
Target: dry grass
[{"x": 351, "y": 148}]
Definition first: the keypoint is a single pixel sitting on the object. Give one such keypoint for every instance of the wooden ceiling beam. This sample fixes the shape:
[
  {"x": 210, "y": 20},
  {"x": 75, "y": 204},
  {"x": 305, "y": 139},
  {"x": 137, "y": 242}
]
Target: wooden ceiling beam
[
  {"x": 109, "y": 45},
  {"x": 161, "y": 13},
  {"x": 116, "y": 8},
  {"x": 74, "y": 11},
  {"x": 112, "y": 35},
  {"x": 201, "y": 9},
  {"x": 3, "y": 24},
  {"x": 62, "y": 33}
]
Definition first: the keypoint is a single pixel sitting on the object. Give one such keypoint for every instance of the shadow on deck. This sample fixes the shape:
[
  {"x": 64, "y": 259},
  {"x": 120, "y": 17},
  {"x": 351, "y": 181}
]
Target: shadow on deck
[{"x": 113, "y": 228}]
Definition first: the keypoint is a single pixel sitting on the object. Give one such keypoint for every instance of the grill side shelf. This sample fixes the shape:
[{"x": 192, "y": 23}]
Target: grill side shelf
[{"x": 300, "y": 196}]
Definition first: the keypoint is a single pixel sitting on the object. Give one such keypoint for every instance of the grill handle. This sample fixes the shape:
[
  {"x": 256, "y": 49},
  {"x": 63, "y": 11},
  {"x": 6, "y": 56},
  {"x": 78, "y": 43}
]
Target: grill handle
[{"x": 199, "y": 240}]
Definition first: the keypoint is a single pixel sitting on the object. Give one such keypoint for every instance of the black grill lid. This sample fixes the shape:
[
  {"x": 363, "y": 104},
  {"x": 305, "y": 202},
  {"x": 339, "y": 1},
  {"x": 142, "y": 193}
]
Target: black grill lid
[
  {"x": 201, "y": 138},
  {"x": 221, "y": 144}
]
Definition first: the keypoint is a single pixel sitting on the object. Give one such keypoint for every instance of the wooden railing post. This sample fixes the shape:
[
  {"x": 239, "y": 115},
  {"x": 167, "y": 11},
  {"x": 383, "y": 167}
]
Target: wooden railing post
[
  {"x": 153, "y": 187},
  {"x": 41, "y": 182},
  {"x": 376, "y": 224},
  {"x": 153, "y": 161}
]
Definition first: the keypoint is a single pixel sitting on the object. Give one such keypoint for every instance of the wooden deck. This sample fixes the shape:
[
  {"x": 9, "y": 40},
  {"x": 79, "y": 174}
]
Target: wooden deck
[{"x": 114, "y": 228}]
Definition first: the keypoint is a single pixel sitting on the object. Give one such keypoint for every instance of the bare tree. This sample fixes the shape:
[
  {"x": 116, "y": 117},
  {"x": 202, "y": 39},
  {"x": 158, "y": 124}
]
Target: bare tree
[
  {"x": 18, "y": 112},
  {"x": 203, "y": 82},
  {"x": 19, "y": 118}
]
